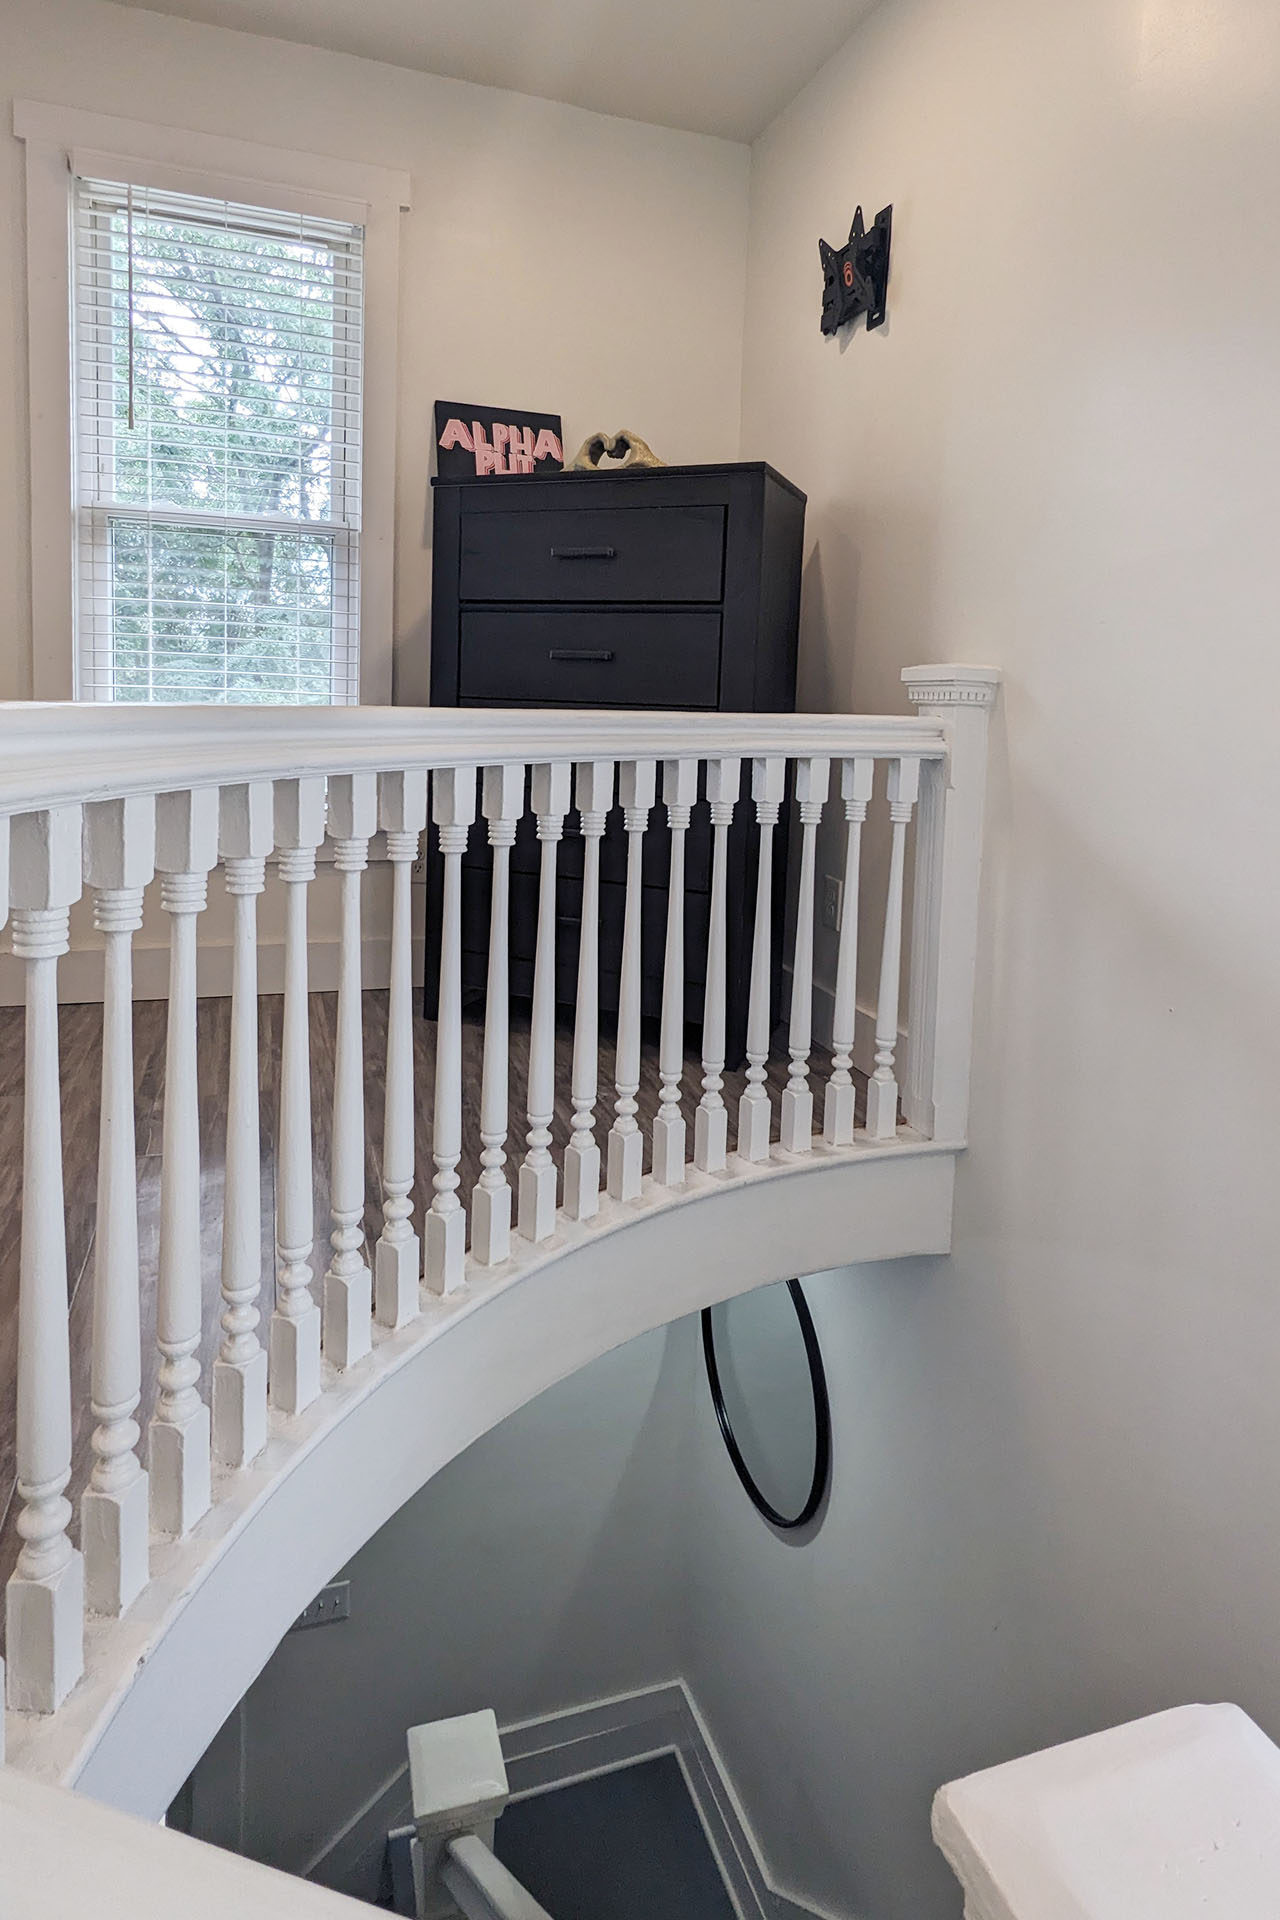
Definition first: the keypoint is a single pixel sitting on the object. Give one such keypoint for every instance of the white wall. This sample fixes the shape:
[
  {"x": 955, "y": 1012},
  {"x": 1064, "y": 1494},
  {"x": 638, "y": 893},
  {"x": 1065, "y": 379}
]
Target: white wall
[
  {"x": 554, "y": 258},
  {"x": 1058, "y": 1454}
]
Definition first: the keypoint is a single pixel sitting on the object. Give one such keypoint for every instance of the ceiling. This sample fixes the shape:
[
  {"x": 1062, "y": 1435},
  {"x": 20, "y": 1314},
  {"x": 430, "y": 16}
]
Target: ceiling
[{"x": 712, "y": 66}]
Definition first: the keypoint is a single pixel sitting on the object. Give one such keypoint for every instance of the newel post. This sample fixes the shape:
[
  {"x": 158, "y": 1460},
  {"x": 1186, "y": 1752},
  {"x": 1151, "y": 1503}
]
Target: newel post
[{"x": 948, "y": 864}]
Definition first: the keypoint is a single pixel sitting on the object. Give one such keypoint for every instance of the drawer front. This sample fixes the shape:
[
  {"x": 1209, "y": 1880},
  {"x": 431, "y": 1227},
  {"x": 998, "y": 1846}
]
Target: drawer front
[
  {"x": 594, "y": 553},
  {"x": 596, "y": 657}
]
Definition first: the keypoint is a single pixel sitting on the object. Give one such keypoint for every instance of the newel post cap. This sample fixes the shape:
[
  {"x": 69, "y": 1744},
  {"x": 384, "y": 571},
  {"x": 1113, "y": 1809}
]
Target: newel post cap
[
  {"x": 456, "y": 1773},
  {"x": 956, "y": 685}
]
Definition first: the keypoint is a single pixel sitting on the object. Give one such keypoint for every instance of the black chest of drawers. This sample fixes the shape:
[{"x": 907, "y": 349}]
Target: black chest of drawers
[{"x": 670, "y": 587}]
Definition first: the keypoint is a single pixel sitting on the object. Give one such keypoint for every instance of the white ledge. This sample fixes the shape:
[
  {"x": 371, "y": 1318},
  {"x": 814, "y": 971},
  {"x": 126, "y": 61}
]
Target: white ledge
[{"x": 1175, "y": 1817}]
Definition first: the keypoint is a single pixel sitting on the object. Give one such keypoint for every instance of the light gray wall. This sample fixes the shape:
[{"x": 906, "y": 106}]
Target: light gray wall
[{"x": 541, "y": 1568}]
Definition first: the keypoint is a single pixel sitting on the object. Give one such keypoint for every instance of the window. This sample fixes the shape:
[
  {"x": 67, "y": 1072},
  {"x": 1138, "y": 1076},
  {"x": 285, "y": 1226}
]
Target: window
[
  {"x": 237, "y": 543},
  {"x": 217, "y": 352}
]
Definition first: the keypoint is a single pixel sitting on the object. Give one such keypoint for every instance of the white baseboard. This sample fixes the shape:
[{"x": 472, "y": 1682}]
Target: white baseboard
[
  {"x": 864, "y": 1027},
  {"x": 558, "y": 1749},
  {"x": 80, "y": 971}
]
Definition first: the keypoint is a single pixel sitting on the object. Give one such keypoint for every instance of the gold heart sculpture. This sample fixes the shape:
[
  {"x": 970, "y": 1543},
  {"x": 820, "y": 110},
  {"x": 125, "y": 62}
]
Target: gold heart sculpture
[{"x": 615, "y": 450}]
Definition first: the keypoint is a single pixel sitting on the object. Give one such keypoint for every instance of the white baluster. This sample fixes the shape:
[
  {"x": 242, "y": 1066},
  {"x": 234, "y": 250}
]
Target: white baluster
[
  {"x": 120, "y": 854},
  {"x": 348, "y": 1284},
  {"x": 44, "y": 1601},
  {"x": 4, "y": 915},
  {"x": 246, "y": 837},
  {"x": 796, "y": 1131},
  {"x": 856, "y": 778},
  {"x": 882, "y": 1094},
  {"x": 679, "y": 791},
  {"x": 397, "y": 1260},
  {"x": 550, "y": 784},
  {"x": 453, "y": 808},
  {"x": 491, "y": 1202},
  {"x": 711, "y": 1123},
  {"x": 294, "y": 1372},
  {"x": 582, "y": 1156},
  {"x": 637, "y": 780},
  {"x": 178, "y": 1438},
  {"x": 755, "y": 1110}
]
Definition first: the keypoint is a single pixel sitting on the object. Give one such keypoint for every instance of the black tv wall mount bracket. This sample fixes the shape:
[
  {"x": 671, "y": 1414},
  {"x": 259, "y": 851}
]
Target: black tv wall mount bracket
[{"x": 855, "y": 277}]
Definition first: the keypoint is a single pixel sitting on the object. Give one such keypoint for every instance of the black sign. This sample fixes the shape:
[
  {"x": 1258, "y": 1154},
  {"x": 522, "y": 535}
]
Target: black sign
[{"x": 471, "y": 440}]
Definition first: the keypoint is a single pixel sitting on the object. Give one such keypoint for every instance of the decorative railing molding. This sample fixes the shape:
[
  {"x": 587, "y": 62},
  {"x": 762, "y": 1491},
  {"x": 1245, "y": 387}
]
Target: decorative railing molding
[{"x": 100, "y": 796}]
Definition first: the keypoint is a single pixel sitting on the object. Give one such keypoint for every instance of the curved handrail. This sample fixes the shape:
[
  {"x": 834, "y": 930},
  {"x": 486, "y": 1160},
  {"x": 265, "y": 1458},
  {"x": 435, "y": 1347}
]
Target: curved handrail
[
  {"x": 54, "y": 755},
  {"x": 170, "y": 794}
]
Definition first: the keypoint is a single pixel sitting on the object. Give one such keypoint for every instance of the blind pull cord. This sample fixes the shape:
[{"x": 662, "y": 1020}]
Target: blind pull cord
[{"x": 129, "y": 270}]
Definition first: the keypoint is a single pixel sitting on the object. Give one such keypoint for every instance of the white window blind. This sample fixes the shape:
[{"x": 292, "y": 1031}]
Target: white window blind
[{"x": 217, "y": 406}]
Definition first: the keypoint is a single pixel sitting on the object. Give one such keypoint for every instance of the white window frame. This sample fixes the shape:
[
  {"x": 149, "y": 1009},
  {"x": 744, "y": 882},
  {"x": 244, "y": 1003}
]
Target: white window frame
[{"x": 64, "y": 141}]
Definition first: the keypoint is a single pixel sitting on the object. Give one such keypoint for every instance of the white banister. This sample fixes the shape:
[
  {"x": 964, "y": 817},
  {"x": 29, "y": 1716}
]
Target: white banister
[
  {"x": 44, "y": 1600},
  {"x": 294, "y": 1369},
  {"x": 856, "y": 780},
  {"x": 453, "y": 807},
  {"x": 755, "y": 1111},
  {"x": 882, "y": 1094},
  {"x": 502, "y": 801},
  {"x": 679, "y": 791},
  {"x": 481, "y": 1887},
  {"x": 812, "y": 780},
  {"x": 397, "y": 1259},
  {"x": 178, "y": 1437},
  {"x": 246, "y": 837},
  {"x": 594, "y": 797},
  {"x": 549, "y": 786},
  {"x": 348, "y": 1283},
  {"x": 119, "y": 862},
  {"x": 711, "y": 1122},
  {"x": 175, "y": 790},
  {"x": 636, "y": 787}
]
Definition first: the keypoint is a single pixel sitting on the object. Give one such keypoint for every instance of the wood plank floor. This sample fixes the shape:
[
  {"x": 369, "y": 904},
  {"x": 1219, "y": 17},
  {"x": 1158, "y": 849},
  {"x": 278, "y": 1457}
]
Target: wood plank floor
[{"x": 81, "y": 1046}]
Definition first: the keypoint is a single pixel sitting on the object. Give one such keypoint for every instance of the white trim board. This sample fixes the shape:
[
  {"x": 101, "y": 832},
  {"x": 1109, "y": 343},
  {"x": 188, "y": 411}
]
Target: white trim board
[
  {"x": 864, "y": 1025},
  {"x": 582, "y": 1743},
  {"x": 80, "y": 971}
]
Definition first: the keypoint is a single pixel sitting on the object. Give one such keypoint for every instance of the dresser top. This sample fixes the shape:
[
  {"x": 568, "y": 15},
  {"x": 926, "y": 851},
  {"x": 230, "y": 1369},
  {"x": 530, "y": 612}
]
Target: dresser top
[{"x": 634, "y": 476}]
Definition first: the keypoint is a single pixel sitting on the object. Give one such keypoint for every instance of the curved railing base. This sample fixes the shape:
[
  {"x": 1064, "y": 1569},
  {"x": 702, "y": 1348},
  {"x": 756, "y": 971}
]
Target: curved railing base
[{"x": 160, "y": 1682}]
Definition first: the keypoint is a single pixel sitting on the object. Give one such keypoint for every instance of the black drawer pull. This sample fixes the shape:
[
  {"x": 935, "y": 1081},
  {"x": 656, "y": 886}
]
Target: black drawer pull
[
  {"x": 584, "y": 553},
  {"x": 601, "y": 656}
]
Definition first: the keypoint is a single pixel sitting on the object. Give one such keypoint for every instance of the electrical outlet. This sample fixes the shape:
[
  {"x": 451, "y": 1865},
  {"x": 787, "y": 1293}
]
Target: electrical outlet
[
  {"x": 330, "y": 1604},
  {"x": 418, "y": 871},
  {"x": 832, "y": 902}
]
